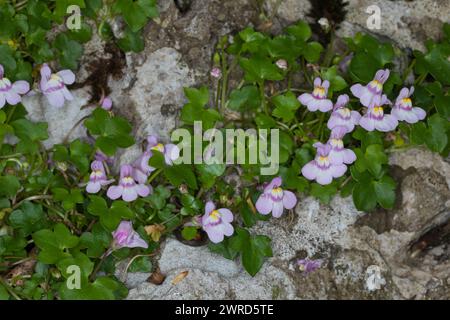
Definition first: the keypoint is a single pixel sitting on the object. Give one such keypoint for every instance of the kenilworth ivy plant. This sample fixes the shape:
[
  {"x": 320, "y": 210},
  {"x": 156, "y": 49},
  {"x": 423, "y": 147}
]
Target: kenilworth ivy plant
[{"x": 67, "y": 219}]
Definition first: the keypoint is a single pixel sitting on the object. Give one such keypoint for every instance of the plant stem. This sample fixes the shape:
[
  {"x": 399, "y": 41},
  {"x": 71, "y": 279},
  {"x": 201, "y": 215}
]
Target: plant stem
[
  {"x": 154, "y": 175},
  {"x": 8, "y": 287},
  {"x": 263, "y": 97}
]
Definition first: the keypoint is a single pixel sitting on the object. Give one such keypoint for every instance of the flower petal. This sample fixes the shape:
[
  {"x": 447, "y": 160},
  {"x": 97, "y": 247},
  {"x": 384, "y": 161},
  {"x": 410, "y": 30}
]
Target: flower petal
[
  {"x": 56, "y": 99},
  {"x": 278, "y": 209},
  {"x": 264, "y": 204},
  {"x": 93, "y": 187},
  {"x": 67, "y": 76},
  {"x": 309, "y": 170},
  {"x": 289, "y": 199},
  {"x": 12, "y": 97},
  {"x": 114, "y": 192},
  {"x": 21, "y": 87},
  {"x": 209, "y": 207},
  {"x": 226, "y": 214}
]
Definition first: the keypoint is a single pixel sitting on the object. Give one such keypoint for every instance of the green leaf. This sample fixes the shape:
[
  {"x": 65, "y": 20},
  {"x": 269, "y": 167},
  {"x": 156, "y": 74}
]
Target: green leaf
[
  {"x": 312, "y": 51},
  {"x": 437, "y": 138},
  {"x": 69, "y": 51},
  {"x": 301, "y": 31},
  {"x": 131, "y": 41},
  {"x": 260, "y": 68},
  {"x": 189, "y": 233},
  {"x": 254, "y": 249},
  {"x": 197, "y": 97},
  {"x": 25, "y": 129},
  {"x": 224, "y": 249},
  {"x": 286, "y": 105},
  {"x": 141, "y": 264},
  {"x": 324, "y": 193},
  {"x": 28, "y": 218},
  {"x": 178, "y": 174},
  {"x": 245, "y": 98},
  {"x": 9, "y": 185},
  {"x": 337, "y": 83},
  {"x": 442, "y": 104},
  {"x": 385, "y": 192}
]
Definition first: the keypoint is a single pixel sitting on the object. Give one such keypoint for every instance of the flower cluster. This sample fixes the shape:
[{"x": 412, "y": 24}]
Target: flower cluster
[{"x": 332, "y": 158}]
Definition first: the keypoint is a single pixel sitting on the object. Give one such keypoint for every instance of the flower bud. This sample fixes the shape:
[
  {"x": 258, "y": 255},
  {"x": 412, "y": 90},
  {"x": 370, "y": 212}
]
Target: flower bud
[
  {"x": 216, "y": 73},
  {"x": 282, "y": 64}
]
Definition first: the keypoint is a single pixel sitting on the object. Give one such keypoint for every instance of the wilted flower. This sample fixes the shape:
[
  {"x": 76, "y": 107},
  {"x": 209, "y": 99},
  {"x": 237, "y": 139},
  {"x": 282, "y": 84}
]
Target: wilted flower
[
  {"x": 308, "y": 265},
  {"x": 10, "y": 92},
  {"x": 343, "y": 116},
  {"x": 403, "y": 109},
  {"x": 274, "y": 199},
  {"x": 155, "y": 231},
  {"x": 98, "y": 178},
  {"x": 338, "y": 153},
  {"x": 170, "y": 151},
  {"x": 371, "y": 94},
  {"x": 106, "y": 103},
  {"x": 125, "y": 237},
  {"x": 141, "y": 168},
  {"x": 324, "y": 24},
  {"x": 53, "y": 85},
  {"x": 282, "y": 64},
  {"x": 216, "y": 73},
  {"x": 376, "y": 119},
  {"x": 322, "y": 168},
  {"x": 217, "y": 222},
  {"x": 318, "y": 99},
  {"x": 128, "y": 189}
]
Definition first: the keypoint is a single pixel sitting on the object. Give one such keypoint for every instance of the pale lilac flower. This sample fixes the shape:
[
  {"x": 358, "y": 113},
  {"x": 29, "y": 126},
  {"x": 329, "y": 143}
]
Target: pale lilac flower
[
  {"x": 53, "y": 85},
  {"x": 141, "y": 168},
  {"x": 338, "y": 153},
  {"x": 282, "y": 64},
  {"x": 125, "y": 237},
  {"x": 217, "y": 222},
  {"x": 274, "y": 199},
  {"x": 322, "y": 168},
  {"x": 106, "y": 103},
  {"x": 318, "y": 99},
  {"x": 10, "y": 92},
  {"x": 343, "y": 116},
  {"x": 307, "y": 265},
  {"x": 128, "y": 189},
  {"x": 403, "y": 109},
  {"x": 100, "y": 156},
  {"x": 170, "y": 151},
  {"x": 376, "y": 119},
  {"x": 97, "y": 178},
  {"x": 371, "y": 93},
  {"x": 216, "y": 73}
]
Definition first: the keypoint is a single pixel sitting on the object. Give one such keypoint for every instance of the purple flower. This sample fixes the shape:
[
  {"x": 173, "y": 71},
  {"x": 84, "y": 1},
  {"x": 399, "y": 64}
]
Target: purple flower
[
  {"x": 106, "y": 103},
  {"x": 10, "y": 92},
  {"x": 125, "y": 237},
  {"x": 322, "y": 169},
  {"x": 318, "y": 99},
  {"x": 338, "y": 153},
  {"x": 141, "y": 168},
  {"x": 216, "y": 222},
  {"x": 375, "y": 119},
  {"x": 128, "y": 189},
  {"x": 343, "y": 116},
  {"x": 403, "y": 109},
  {"x": 371, "y": 93},
  {"x": 274, "y": 199},
  {"x": 100, "y": 156},
  {"x": 282, "y": 64},
  {"x": 170, "y": 151},
  {"x": 98, "y": 178},
  {"x": 53, "y": 85},
  {"x": 307, "y": 265},
  {"x": 216, "y": 73}
]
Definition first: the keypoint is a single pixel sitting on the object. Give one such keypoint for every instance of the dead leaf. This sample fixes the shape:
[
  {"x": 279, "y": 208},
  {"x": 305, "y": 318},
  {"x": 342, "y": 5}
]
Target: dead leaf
[
  {"x": 180, "y": 277},
  {"x": 154, "y": 231},
  {"x": 156, "y": 277}
]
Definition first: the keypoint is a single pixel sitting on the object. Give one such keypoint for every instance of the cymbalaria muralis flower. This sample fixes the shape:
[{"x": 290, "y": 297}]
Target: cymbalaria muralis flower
[
  {"x": 371, "y": 94},
  {"x": 217, "y": 222},
  {"x": 403, "y": 109},
  {"x": 338, "y": 153},
  {"x": 282, "y": 64},
  {"x": 343, "y": 116},
  {"x": 141, "y": 168},
  {"x": 322, "y": 168},
  {"x": 216, "y": 73},
  {"x": 274, "y": 199},
  {"x": 10, "y": 92},
  {"x": 307, "y": 265},
  {"x": 376, "y": 119},
  {"x": 53, "y": 85},
  {"x": 97, "y": 178},
  {"x": 125, "y": 237},
  {"x": 170, "y": 151},
  {"x": 128, "y": 189},
  {"x": 106, "y": 103},
  {"x": 318, "y": 99}
]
